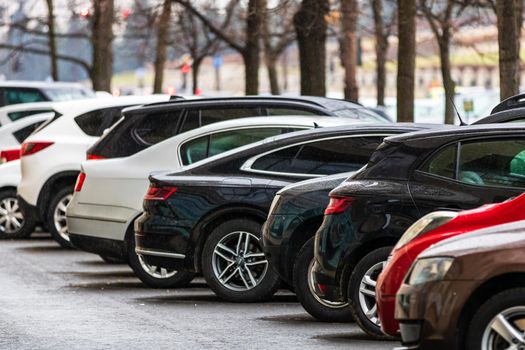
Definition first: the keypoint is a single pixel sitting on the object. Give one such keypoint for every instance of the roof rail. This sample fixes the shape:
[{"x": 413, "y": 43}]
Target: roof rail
[{"x": 512, "y": 102}]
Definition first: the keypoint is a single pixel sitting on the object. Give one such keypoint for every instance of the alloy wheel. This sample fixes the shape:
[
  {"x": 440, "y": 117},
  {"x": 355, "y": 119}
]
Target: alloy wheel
[
  {"x": 238, "y": 261},
  {"x": 367, "y": 293},
  {"x": 506, "y": 331},
  {"x": 11, "y": 218},
  {"x": 155, "y": 271},
  {"x": 311, "y": 286},
  {"x": 59, "y": 217}
]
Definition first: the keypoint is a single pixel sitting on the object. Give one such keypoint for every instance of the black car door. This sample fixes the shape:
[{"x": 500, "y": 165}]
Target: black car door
[{"x": 470, "y": 173}]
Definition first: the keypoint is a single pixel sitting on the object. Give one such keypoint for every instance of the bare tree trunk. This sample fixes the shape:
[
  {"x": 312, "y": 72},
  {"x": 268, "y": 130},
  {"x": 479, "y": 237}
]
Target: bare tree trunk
[
  {"x": 273, "y": 78},
  {"x": 195, "y": 73},
  {"x": 381, "y": 48},
  {"x": 508, "y": 48},
  {"x": 348, "y": 44},
  {"x": 102, "y": 38},
  {"x": 406, "y": 60},
  {"x": 252, "y": 49},
  {"x": 448, "y": 84},
  {"x": 284, "y": 64},
  {"x": 310, "y": 26},
  {"x": 163, "y": 29},
  {"x": 51, "y": 39},
  {"x": 519, "y": 25}
]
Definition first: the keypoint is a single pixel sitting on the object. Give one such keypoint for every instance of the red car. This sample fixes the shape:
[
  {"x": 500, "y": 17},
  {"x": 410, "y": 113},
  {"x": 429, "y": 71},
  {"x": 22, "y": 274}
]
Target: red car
[{"x": 429, "y": 230}]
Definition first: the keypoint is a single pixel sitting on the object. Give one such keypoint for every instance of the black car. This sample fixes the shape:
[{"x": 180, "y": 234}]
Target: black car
[
  {"x": 288, "y": 239},
  {"x": 149, "y": 124},
  {"x": 208, "y": 217},
  {"x": 407, "y": 177}
]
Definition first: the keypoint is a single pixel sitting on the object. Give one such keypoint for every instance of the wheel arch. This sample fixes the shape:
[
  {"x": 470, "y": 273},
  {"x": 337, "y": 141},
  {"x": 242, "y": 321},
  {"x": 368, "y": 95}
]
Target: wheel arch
[
  {"x": 64, "y": 178},
  {"x": 300, "y": 235},
  {"x": 205, "y": 227}
]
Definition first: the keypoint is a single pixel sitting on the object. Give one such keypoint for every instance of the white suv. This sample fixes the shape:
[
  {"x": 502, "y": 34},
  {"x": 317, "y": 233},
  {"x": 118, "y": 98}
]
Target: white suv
[
  {"x": 51, "y": 157},
  {"x": 109, "y": 193}
]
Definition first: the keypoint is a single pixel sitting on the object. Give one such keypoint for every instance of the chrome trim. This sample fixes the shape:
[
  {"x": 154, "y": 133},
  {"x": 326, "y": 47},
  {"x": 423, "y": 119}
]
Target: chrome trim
[
  {"x": 141, "y": 251},
  {"x": 248, "y": 164}
]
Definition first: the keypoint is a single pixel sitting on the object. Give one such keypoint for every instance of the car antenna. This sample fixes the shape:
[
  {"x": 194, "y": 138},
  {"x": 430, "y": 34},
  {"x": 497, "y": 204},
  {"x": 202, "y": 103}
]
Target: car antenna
[{"x": 461, "y": 122}]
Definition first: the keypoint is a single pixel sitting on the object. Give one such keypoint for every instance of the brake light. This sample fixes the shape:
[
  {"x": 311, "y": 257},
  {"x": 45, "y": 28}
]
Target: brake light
[
  {"x": 29, "y": 148},
  {"x": 80, "y": 182},
  {"x": 338, "y": 205},
  {"x": 95, "y": 157},
  {"x": 8, "y": 155},
  {"x": 159, "y": 193}
]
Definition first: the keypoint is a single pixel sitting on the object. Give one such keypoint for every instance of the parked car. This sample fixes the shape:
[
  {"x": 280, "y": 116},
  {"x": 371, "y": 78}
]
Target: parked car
[
  {"x": 407, "y": 177},
  {"x": 14, "y": 113},
  {"x": 18, "y": 91},
  {"x": 207, "y": 217},
  {"x": 51, "y": 157},
  {"x": 467, "y": 292},
  {"x": 146, "y": 125},
  {"x": 12, "y": 222},
  {"x": 13, "y": 134},
  {"x": 429, "y": 230},
  {"x": 109, "y": 194}
]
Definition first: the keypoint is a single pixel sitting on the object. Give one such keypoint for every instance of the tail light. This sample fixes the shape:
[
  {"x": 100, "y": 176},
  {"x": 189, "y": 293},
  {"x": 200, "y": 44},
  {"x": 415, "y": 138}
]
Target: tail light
[
  {"x": 80, "y": 182},
  {"x": 338, "y": 205},
  {"x": 94, "y": 157},
  {"x": 29, "y": 148},
  {"x": 159, "y": 193},
  {"x": 9, "y": 155}
]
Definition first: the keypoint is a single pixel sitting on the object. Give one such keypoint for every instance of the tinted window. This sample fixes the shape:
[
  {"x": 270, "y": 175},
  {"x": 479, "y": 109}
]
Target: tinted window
[
  {"x": 443, "y": 163},
  {"x": 21, "y": 95},
  {"x": 199, "y": 117},
  {"x": 23, "y": 133},
  {"x": 290, "y": 111},
  {"x": 210, "y": 145},
  {"x": 322, "y": 157},
  {"x": 22, "y": 114},
  {"x": 493, "y": 163},
  {"x": 94, "y": 123},
  {"x": 156, "y": 128}
]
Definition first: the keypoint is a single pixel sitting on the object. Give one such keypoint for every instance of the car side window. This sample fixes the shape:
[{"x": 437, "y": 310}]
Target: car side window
[
  {"x": 493, "y": 163},
  {"x": 290, "y": 111},
  {"x": 22, "y": 95},
  {"x": 210, "y": 145},
  {"x": 322, "y": 157},
  {"x": 443, "y": 163},
  {"x": 22, "y": 134},
  {"x": 93, "y": 123},
  {"x": 158, "y": 127},
  {"x": 22, "y": 114}
]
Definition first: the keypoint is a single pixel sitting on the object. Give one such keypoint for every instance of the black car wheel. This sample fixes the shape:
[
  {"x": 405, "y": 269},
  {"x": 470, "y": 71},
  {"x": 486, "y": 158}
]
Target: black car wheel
[
  {"x": 499, "y": 323},
  {"x": 316, "y": 306},
  {"x": 362, "y": 291},
  {"x": 234, "y": 264},
  {"x": 156, "y": 276},
  {"x": 13, "y": 224},
  {"x": 56, "y": 216}
]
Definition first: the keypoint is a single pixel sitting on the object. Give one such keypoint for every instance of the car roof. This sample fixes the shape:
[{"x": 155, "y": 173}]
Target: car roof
[
  {"x": 39, "y": 84},
  {"x": 325, "y": 102},
  {"x": 448, "y": 133},
  {"x": 306, "y": 135}
]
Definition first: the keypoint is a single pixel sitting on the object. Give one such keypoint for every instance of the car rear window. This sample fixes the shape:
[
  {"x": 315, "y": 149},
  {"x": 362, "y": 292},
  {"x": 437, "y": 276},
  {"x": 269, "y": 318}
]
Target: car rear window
[
  {"x": 22, "y": 134},
  {"x": 11, "y": 96},
  {"x": 95, "y": 122}
]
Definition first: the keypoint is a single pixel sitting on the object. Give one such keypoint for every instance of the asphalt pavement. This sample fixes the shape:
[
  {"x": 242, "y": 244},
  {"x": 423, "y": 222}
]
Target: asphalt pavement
[{"x": 51, "y": 298}]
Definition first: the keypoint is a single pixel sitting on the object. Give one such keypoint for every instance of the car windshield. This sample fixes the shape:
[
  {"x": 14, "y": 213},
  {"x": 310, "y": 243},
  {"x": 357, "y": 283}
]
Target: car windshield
[
  {"x": 68, "y": 93},
  {"x": 363, "y": 114}
]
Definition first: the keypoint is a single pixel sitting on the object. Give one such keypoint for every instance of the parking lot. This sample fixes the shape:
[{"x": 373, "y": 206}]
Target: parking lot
[{"x": 64, "y": 299}]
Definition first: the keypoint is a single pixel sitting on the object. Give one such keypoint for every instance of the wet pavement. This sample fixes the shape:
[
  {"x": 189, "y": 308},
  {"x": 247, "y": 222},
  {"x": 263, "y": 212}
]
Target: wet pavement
[{"x": 51, "y": 298}]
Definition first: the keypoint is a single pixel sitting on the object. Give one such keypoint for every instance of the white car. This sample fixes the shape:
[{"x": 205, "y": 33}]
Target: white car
[
  {"x": 12, "y": 222},
  {"x": 109, "y": 193},
  {"x": 51, "y": 157},
  {"x": 13, "y": 113},
  {"x": 13, "y": 134}
]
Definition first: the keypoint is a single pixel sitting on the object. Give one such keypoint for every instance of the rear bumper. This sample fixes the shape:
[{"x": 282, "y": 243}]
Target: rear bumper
[
  {"x": 28, "y": 210},
  {"x": 274, "y": 248},
  {"x": 100, "y": 246}
]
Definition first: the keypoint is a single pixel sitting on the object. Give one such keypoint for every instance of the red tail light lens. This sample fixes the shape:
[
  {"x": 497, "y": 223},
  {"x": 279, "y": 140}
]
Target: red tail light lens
[
  {"x": 80, "y": 182},
  {"x": 95, "y": 157},
  {"x": 159, "y": 193},
  {"x": 338, "y": 205},
  {"x": 29, "y": 148},
  {"x": 9, "y": 155}
]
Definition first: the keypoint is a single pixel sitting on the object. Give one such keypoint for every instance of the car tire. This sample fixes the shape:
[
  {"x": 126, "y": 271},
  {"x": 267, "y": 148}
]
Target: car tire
[
  {"x": 13, "y": 224},
  {"x": 504, "y": 306},
  {"x": 322, "y": 310},
  {"x": 112, "y": 260},
  {"x": 154, "y": 276},
  {"x": 247, "y": 277},
  {"x": 361, "y": 291},
  {"x": 56, "y": 216}
]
